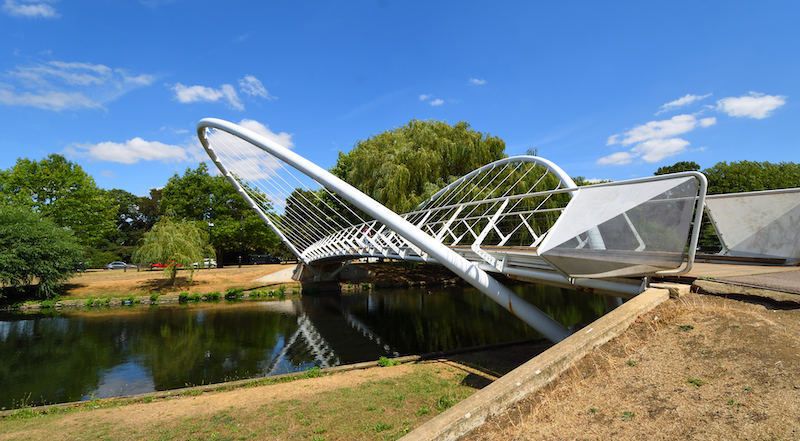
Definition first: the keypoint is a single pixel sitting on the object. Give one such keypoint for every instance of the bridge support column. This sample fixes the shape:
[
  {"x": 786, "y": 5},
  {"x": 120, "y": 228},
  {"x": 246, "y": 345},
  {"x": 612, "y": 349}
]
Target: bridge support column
[{"x": 330, "y": 272}]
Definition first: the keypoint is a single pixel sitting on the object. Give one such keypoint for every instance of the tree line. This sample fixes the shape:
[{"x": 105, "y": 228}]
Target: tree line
[{"x": 54, "y": 217}]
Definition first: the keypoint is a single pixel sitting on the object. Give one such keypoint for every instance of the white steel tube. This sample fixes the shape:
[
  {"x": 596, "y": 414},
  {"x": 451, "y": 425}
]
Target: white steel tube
[{"x": 528, "y": 313}]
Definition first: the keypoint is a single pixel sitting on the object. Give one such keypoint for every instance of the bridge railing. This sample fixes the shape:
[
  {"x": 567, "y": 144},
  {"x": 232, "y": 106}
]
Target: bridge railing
[
  {"x": 521, "y": 208},
  {"x": 313, "y": 211}
]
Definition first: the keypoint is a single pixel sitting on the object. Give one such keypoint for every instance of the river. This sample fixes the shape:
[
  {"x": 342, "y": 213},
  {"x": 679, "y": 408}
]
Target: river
[{"x": 53, "y": 357}]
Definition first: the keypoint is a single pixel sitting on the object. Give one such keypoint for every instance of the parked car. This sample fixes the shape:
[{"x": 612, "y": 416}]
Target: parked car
[
  {"x": 256, "y": 259},
  {"x": 117, "y": 265},
  {"x": 162, "y": 265},
  {"x": 207, "y": 263}
]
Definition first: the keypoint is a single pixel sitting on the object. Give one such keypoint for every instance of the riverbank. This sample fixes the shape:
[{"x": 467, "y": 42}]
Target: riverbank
[
  {"x": 114, "y": 288},
  {"x": 696, "y": 367}
]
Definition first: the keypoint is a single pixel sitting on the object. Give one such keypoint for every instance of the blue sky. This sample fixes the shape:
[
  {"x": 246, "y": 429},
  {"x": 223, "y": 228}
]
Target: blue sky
[{"x": 607, "y": 90}]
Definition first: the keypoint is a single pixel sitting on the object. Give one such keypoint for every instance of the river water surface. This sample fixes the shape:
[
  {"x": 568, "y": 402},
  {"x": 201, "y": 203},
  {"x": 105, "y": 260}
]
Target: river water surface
[{"x": 69, "y": 356}]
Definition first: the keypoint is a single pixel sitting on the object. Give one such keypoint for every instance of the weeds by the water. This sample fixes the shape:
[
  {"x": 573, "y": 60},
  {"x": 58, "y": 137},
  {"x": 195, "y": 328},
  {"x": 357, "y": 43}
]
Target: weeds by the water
[
  {"x": 234, "y": 293},
  {"x": 385, "y": 362},
  {"x": 314, "y": 372}
]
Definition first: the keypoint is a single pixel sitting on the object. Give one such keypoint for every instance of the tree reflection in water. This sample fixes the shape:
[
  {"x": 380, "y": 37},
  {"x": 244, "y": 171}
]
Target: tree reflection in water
[{"x": 77, "y": 355}]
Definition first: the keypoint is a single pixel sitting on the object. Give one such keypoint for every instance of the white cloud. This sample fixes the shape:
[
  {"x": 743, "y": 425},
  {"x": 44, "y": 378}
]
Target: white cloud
[
  {"x": 619, "y": 158},
  {"x": 680, "y": 102},
  {"x": 135, "y": 150},
  {"x": 30, "y": 9},
  {"x": 252, "y": 163},
  {"x": 477, "y": 82},
  {"x": 654, "y": 150},
  {"x": 755, "y": 105},
  {"x": 108, "y": 174},
  {"x": 192, "y": 94},
  {"x": 253, "y": 87},
  {"x": 667, "y": 128},
  {"x": 655, "y": 140},
  {"x": 283, "y": 138},
  {"x": 249, "y": 85},
  {"x": 48, "y": 100},
  {"x": 437, "y": 102},
  {"x": 425, "y": 96},
  {"x": 58, "y": 85}
]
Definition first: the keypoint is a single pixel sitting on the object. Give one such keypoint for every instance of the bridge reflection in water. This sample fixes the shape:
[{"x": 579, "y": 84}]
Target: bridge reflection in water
[{"x": 78, "y": 355}]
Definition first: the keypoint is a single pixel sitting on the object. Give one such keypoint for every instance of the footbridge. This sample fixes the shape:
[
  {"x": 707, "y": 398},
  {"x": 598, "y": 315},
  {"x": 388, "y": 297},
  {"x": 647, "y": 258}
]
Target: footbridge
[{"x": 522, "y": 216}]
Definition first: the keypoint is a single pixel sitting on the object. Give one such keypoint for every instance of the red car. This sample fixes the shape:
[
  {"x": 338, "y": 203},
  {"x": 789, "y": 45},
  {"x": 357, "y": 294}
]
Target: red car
[{"x": 162, "y": 265}]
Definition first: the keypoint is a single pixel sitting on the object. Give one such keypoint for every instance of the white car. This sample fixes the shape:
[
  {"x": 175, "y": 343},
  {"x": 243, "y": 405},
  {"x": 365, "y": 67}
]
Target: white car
[{"x": 207, "y": 263}]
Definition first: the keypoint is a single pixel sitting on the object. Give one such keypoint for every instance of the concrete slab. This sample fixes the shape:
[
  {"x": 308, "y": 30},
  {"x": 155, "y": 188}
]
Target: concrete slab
[
  {"x": 735, "y": 289},
  {"x": 536, "y": 373},
  {"x": 720, "y": 270},
  {"x": 282, "y": 276}
]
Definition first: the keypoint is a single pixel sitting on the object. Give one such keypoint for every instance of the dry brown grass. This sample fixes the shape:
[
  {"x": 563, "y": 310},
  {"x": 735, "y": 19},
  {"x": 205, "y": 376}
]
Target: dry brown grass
[
  {"x": 369, "y": 404},
  {"x": 118, "y": 283},
  {"x": 698, "y": 368}
]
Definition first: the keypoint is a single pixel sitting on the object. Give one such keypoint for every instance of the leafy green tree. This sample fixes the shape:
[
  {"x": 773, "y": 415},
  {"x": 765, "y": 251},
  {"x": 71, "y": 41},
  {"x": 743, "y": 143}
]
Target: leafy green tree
[
  {"x": 134, "y": 217},
  {"x": 213, "y": 203},
  {"x": 61, "y": 191},
  {"x": 738, "y": 177},
  {"x": 129, "y": 221},
  {"x": 677, "y": 168},
  {"x": 35, "y": 249},
  {"x": 402, "y": 167},
  {"x": 744, "y": 176},
  {"x": 175, "y": 242},
  {"x": 581, "y": 181}
]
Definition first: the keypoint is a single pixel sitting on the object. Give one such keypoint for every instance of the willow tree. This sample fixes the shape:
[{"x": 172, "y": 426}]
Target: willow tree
[
  {"x": 174, "y": 243},
  {"x": 402, "y": 167}
]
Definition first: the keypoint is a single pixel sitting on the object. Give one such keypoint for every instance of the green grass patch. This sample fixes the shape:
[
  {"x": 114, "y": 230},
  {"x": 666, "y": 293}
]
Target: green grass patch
[
  {"x": 695, "y": 382},
  {"x": 386, "y": 361},
  {"x": 379, "y": 408}
]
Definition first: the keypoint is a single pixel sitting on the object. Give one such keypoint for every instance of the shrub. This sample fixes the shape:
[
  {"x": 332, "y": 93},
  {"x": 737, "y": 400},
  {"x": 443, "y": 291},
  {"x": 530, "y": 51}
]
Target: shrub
[
  {"x": 386, "y": 361},
  {"x": 234, "y": 293},
  {"x": 314, "y": 372}
]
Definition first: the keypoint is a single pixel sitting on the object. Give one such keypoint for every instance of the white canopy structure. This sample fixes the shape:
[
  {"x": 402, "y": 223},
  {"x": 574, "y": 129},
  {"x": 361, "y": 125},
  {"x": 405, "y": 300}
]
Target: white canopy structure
[
  {"x": 760, "y": 224},
  {"x": 521, "y": 216}
]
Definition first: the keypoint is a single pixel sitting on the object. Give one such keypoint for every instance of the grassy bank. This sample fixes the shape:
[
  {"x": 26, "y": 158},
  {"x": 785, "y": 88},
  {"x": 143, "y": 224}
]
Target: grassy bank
[{"x": 376, "y": 403}]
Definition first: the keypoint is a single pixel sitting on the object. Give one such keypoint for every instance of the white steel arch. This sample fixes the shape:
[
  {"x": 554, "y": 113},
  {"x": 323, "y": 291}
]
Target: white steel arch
[
  {"x": 426, "y": 246},
  {"x": 520, "y": 216}
]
